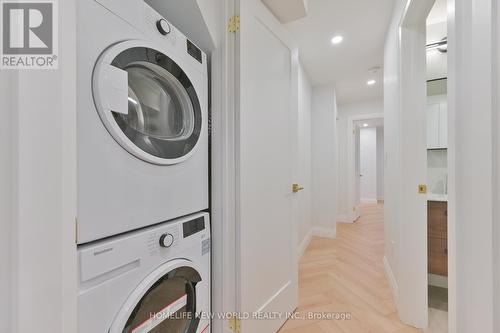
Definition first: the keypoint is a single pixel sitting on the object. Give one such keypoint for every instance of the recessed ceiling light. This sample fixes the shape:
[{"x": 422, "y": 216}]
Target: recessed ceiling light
[
  {"x": 337, "y": 39},
  {"x": 371, "y": 82},
  {"x": 365, "y": 125}
]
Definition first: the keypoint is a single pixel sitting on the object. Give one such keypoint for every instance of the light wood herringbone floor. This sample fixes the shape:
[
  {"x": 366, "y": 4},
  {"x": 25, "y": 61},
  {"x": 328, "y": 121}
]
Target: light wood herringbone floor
[{"x": 346, "y": 276}]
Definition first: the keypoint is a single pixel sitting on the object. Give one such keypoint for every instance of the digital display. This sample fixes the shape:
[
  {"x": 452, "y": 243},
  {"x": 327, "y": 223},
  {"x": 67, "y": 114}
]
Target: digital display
[
  {"x": 193, "y": 226},
  {"x": 194, "y": 51}
]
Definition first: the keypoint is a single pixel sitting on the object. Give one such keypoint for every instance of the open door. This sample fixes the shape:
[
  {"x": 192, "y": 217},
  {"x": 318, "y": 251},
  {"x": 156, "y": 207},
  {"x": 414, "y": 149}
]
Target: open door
[{"x": 266, "y": 69}]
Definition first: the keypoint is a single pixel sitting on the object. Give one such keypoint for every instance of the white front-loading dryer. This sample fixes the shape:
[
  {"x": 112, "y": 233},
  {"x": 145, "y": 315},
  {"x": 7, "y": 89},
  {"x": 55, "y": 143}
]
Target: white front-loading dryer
[
  {"x": 156, "y": 280},
  {"x": 142, "y": 120}
]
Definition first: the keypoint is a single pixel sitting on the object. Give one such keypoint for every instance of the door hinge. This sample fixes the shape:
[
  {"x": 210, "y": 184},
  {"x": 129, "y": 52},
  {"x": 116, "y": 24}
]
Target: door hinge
[
  {"x": 235, "y": 324},
  {"x": 234, "y": 23}
]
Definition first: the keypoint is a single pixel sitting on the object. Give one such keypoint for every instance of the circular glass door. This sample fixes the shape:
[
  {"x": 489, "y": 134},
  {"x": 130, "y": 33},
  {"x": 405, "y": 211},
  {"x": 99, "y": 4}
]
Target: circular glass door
[
  {"x": 157, "y": 116},
  {"x": 168, "y": 306}
]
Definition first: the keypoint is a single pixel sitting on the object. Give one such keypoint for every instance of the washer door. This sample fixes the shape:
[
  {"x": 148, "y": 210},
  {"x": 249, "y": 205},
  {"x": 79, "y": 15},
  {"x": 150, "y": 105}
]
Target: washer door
[
  {"x": 147, "y": 103},
  {"x": 165, "y": 302}
]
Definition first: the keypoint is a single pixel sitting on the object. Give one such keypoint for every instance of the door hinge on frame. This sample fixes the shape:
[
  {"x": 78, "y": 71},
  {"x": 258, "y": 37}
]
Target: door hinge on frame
[
  {"x": 234, "y": 24},
  {"x": 235, "y": 324}
]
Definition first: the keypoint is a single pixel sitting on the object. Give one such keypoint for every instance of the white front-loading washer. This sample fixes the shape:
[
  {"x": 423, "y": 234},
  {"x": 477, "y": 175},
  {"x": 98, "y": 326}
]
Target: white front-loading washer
[
  {"x": 154, "y": 280},
  {"x": 141, "y": 121}
]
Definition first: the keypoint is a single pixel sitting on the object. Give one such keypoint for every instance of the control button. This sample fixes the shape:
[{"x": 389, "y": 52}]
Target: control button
[
  {"x": 163, "y": 27},
  {"x": 166, "y": 240}
]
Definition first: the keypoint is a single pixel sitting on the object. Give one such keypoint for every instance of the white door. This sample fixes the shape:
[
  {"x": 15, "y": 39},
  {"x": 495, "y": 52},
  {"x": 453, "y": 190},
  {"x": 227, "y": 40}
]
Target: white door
[
  {"x": 266, "y": 143},
  {"x": 357, "y": 166},
  {"x": 368, "y": 164},
  {"x": 303, "y": 199}
]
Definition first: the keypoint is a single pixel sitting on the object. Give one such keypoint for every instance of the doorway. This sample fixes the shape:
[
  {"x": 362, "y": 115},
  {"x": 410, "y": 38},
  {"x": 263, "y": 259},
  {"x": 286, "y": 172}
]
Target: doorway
[
  {"x": 369, "y": 160},
  {"x": 437, "y": 166},
  {"x": 423, "y": 142},
  {"x": 365, "y": 161}
]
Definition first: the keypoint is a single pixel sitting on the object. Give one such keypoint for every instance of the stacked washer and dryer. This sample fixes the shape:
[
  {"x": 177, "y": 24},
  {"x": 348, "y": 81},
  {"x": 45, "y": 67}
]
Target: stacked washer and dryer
[{"x": 143, "y": 232}]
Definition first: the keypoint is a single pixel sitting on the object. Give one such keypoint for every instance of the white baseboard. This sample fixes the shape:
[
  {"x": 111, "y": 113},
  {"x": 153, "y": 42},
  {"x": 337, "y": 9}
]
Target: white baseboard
[
  {"x": 324, "y": 232},
  {"x": 305, "y": 243},
  {"x": 344, "y": 219},
  {"x": 368, "y": 201},
  {"x": 438, "y": 281},
  {"x": 392, "y": 280}
]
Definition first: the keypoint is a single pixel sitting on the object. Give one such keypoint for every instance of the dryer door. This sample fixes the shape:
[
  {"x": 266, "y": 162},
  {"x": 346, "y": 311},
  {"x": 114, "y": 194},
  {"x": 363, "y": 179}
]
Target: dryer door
[
  {"x": 165, "y": 302},
  {"x": 147, "y": 103}
]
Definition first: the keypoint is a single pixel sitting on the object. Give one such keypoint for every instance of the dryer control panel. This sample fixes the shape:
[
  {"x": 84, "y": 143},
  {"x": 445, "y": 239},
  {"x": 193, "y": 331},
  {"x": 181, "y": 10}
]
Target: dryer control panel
[{"x": 194, "y": 226}]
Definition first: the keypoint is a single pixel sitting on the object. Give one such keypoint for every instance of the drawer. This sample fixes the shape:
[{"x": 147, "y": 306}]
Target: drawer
[
  {"x": 437, "y": 219},
  {"x": 437, "y": 256}
]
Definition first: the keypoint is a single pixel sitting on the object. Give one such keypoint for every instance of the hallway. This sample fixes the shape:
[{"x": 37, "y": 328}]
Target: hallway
[{"x": 346, "y": 276}]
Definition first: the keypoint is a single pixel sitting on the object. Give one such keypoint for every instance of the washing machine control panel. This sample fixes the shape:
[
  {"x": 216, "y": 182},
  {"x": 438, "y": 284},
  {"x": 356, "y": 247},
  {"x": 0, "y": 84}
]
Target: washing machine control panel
[
  {"x": 167, "y": 240},
  {"x": 163, "y": 27}
]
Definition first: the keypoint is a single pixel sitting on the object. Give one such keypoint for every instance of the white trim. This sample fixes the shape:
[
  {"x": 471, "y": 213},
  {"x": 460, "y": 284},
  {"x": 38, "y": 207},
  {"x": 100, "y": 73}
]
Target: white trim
[
  {"x": 496, "y": 190},
  {"x": 351, "y": 162},
  {"x": 392, "y": 280},
  {"x": 304, "y": 244},
  {"x": 223, "y": 172},
  {"x": 438, "y": 281},
  {"x": 368, "y": 200},
  {"x": 342, "y": 218},
  {"x": 68, "y": 93},
  {"x": 452, "y": 230},
  {"x": 324, "y": 232}
]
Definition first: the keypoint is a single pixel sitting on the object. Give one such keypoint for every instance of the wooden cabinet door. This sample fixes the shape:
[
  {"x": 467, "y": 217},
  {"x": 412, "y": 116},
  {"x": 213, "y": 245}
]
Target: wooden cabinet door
[{"x": 437, "y": 232}]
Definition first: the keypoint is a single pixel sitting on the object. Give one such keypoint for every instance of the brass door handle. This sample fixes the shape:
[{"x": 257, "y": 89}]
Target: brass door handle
[{"x": 296, "y": 188}]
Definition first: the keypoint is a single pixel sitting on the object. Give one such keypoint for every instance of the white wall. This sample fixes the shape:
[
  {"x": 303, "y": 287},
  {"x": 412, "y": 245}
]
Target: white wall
[
  {"x": 7, "y": 81},
  {"x": 436, "y": 61},
  {"x": 38, "y": 252},
  {"x": 496, "y": 101},
  {"x": 380, "y": 163},
  {"x": 346, "y": 111},
  {"x": 324, "y": 161},
  {"x": 471, "y": 160},
  {"x": 368, "y": 164},
  {"x": 304, "y": 155},
  {"x": 391, "y": 145}
]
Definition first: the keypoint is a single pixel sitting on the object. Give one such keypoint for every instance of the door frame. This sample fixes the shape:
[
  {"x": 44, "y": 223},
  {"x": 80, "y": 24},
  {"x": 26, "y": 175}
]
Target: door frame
[
  {"x": 413, "y": 281},
  {"x": 223, "y": 170},
  {"x": 353, "y": 214},
  {"x": 413, "y": 308}
]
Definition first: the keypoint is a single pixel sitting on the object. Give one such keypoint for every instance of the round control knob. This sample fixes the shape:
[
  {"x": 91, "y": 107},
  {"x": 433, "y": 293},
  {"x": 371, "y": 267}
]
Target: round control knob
[
  {"x": 163, "y": 27},
  {"x": 166, "y": 240}
]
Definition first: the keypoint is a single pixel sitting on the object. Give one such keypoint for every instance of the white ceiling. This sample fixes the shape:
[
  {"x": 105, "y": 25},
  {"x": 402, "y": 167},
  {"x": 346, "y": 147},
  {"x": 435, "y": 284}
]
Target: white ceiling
[
  {"x": 438, "y": 13},
  {"x": 376, "y": 122},
  {"x": 363, "y": 24}
]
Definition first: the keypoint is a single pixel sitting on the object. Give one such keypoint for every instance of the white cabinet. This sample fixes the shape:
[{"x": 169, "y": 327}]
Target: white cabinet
[{"x": 437, "y": 122}]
